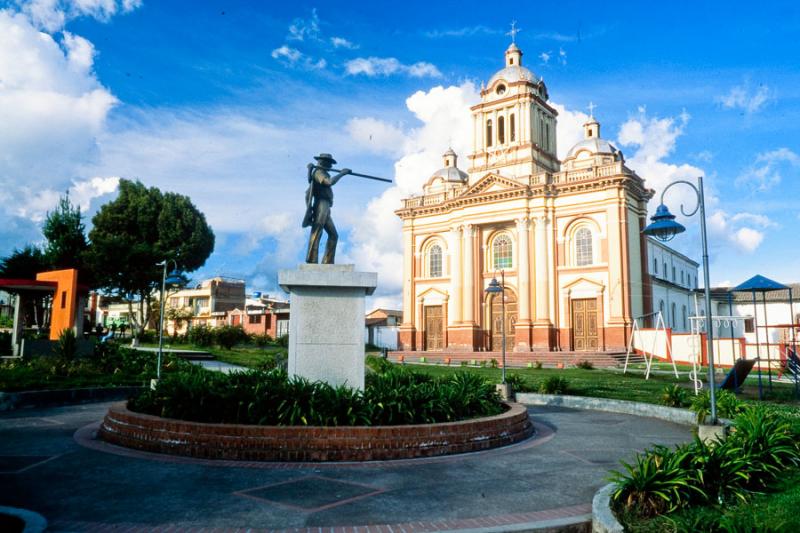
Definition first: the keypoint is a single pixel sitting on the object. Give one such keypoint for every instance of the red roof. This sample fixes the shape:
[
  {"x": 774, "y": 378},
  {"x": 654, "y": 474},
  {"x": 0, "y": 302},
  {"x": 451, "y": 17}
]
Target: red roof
[{"x": 17, "y": 285}]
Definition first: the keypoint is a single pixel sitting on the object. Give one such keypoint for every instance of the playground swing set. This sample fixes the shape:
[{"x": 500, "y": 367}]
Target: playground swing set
[{"x": 787, "y": 361}]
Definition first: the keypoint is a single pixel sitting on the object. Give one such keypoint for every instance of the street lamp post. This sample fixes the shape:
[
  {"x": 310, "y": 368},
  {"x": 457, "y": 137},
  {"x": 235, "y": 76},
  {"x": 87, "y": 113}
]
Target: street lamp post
[
  {"x": 173, "y": 279},
  {"x": 664, "y": 228},
  {"x": 499, "y": 288}
]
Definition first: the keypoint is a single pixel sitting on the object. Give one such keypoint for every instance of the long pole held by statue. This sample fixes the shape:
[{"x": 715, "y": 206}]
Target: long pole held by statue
[{"x": 363, "y": 175}]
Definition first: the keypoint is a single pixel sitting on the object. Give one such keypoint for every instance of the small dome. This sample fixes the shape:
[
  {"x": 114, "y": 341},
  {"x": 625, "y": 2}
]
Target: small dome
[
  {"x": 596, "y": 146},
  {"x": 513, "y": 73},
  {"x": 452, "y": 174},
  {"x": 450, "y": 171}
]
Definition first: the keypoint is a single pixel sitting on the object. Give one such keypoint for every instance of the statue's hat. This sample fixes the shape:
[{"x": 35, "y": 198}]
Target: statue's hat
[{"x": 324, "y": 156}]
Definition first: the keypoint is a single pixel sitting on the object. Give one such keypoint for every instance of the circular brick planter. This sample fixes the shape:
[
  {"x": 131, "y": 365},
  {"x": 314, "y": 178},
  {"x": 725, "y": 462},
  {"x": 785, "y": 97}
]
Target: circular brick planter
[{"x": 304, "y": 443}]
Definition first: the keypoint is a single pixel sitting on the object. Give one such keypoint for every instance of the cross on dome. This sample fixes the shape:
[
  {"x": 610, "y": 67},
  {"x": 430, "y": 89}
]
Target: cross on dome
[
  {"x": 514, "y": 31},
  {"x": 591, "y": 107}
]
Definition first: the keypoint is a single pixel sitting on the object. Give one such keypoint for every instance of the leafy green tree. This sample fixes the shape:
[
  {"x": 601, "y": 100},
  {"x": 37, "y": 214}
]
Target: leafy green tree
[
  {"x": 24, "y": 263},
  {"x": 134, "y": 233},
  {"x": 66, "y": 238}
]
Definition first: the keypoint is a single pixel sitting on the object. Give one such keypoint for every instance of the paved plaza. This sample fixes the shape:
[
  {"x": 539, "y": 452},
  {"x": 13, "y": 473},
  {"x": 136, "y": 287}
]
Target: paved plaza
[{"x": 50, "y": 463}]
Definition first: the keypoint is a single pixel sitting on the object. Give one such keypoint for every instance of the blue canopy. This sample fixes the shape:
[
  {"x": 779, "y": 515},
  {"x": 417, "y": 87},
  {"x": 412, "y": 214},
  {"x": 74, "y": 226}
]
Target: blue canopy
[{"x": 759, "y": 283}]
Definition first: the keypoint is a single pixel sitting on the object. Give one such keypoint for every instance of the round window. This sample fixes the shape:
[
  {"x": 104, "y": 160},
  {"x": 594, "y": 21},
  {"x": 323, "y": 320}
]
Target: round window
[{"x": 501, "y": 89}]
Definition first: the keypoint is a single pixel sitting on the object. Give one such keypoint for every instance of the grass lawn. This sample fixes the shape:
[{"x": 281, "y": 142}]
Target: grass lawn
[
  {"x": 606, "y": 383},
  {"x": 248, "y": 356}
]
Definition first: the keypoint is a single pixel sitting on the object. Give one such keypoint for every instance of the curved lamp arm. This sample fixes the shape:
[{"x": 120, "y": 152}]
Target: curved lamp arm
[{"x": 696, "y": 192}]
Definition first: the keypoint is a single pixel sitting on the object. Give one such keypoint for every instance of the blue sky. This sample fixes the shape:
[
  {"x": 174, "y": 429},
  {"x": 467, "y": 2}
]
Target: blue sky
[{"x": 227, "y": 101}]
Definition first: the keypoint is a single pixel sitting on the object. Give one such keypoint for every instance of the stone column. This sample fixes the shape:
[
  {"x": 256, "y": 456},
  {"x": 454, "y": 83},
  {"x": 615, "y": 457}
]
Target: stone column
[
  {"x": 523, "y": 327},
  {"x": 454, "y": 309},
  {"x": 16, "y": 333},
  {"x": 542, "y": 335},
  {"x": 469, "y": 274}
]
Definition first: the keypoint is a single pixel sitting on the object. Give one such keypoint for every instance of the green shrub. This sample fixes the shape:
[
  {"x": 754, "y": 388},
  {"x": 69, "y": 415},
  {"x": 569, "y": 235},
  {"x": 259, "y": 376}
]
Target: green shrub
[
  {"x": 728, "y": 406},
  {"x": 262, "y": 341},
  {"x": 656, "y": 483},
  {"x": 397, "y": 396},
  {"x": 229, "y": 336},
  {"x": 519, "y": 383},
  {"x": 66, "y": 347},
  {"x": 379, "y": 364},
  {"x": 201, "y": 335},
  {"x": 585, "y": 365},
  {"x": 554, "y": 385},
  {"x": 282, "y": 341},
  {"x": 673, "y": 396},
  {"x": 493, "y": 363},
  {"x": 537, "y": 365}
]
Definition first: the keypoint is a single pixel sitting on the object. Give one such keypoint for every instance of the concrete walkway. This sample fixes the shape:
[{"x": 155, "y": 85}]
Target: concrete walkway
[{"x": 50, "y": 463}]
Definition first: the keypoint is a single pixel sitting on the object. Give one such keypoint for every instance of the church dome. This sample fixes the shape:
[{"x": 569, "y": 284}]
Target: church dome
[
  {"x": 593, "y": 143},
  {"x": 513, "y": 71},
  {"x": 450, "y": 172}
]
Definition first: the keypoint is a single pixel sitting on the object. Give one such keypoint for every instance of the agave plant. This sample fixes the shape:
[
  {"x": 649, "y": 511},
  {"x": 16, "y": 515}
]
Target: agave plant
[
  {"x": 673, "y": 396},
  {"x": 656, "y": 483}
]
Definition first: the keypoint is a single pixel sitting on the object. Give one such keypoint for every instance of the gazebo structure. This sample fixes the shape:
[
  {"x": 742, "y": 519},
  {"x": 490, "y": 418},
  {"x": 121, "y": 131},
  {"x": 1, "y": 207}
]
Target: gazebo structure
[
  {"x": 65, "y": 309},
  {"x": 761, "y": 285}
]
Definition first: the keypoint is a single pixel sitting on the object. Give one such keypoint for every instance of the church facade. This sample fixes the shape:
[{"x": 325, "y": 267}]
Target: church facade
[{"x": 564, "y": 235}]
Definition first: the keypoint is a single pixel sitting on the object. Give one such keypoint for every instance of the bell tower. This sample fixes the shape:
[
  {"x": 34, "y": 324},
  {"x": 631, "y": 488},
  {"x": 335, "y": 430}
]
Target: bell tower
[{"x": 514, "y": 128}]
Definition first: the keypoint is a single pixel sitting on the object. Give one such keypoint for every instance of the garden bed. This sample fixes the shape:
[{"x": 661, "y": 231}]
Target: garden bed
[{"x": 309, "y": 443}]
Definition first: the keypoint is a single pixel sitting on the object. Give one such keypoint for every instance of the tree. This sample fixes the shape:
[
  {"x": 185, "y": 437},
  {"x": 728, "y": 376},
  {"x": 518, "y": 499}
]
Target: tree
[
  {"x": 66, "y": 238},
  {"x": 24, "y": 264},
  {"x": 134, "y": 233}
]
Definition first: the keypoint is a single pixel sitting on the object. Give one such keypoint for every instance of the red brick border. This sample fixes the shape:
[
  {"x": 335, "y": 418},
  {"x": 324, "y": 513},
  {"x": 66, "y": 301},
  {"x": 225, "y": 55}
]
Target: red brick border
[{"x": 303, "y": 443}]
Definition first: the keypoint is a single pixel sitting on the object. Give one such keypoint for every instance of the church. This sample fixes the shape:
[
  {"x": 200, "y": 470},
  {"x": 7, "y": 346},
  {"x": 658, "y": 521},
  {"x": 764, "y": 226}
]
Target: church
[{"x": 564, "y": 236}]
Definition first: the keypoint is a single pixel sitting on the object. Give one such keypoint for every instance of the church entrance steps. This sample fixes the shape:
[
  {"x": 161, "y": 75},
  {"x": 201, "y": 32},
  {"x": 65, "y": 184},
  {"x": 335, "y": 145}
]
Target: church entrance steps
[{"x": 513, "y": 359}]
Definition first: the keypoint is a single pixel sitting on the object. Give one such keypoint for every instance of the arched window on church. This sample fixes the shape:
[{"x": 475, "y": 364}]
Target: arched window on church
[
  {"x": 435, "y": 261},
  {"x": 683, "y": 312},
  {"x": 512, "y": 128},
  {"x": 489, "y": 132},
  {"x": 501, "y": 130},
  {"x": 541, "y": 132},
  {"x": 502, "y": 252},
  {"x": 583, "y": 247},
  {"x": 661, "y": 307},
  {"x": 547, "y": 137},
  {"x": 674, "y": 319},
  {"x": 655, "y": 266}
]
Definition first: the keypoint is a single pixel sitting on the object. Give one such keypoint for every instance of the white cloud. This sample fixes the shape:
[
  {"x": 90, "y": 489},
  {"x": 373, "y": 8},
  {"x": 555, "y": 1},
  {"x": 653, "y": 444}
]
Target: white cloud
[
  {"x": 52, "y": 15},
  {"x": 466, "y": 31},
  {"x": 767, "y": 170},
  {"x": 386, "y": 66},
  {"x": 295, "y": 58},
  {"x": 341, "y": 42},
  {"x": 545, "y": 57},
  {"x": 83, "y": 192},
  {"x": 742, "y": 97},
  {"x": 377, "y": 136},
  {"x": 562, "y": 56},
  {"x": 52, "y": 108},
  {"x": 303, "y": 29},
  {"x": 570, "y": 128},
  {"x": 655, "y": 139},
  {"x": 375, "y": 241},
  {"x": 705, "y": 156}
]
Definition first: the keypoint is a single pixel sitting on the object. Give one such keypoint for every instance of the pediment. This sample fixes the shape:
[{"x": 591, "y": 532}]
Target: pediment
[
  {"x": 492, "y": 183},
  {"x": 584, "y": 285}
]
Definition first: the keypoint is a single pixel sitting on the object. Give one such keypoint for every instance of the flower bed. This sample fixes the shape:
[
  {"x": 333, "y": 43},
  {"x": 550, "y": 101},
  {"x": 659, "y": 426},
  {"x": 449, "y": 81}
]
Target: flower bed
[{"x": 309, "y": 443}]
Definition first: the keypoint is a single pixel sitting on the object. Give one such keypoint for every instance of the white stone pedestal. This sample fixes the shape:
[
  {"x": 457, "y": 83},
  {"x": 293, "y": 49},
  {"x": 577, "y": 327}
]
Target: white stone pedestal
[{"x": 326, "y": 322}]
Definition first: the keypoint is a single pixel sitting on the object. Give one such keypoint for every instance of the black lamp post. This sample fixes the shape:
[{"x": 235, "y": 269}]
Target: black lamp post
[
  {"x": 499, "y": 288},
  {"x": 174, "y": 279},
  {"x": 664, "y": 228}
]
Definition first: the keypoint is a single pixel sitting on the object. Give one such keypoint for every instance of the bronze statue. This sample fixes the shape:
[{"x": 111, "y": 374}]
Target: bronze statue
[{"x": 319, "y": 200}]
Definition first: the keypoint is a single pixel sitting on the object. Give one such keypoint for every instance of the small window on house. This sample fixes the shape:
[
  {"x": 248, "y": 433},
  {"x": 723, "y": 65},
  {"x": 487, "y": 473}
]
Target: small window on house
[
  {"x": 749, "y": 325},
  {"x": 254, "y": 319},
  {"x": 489, "y": 132},
  {"x": 501, "y": 130},
  {"x": 512, "y": 133},
  {"x": 435, "y": 261},
  {"x": 502, "y": 252},
  {"x": 583, "y": 247}
]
